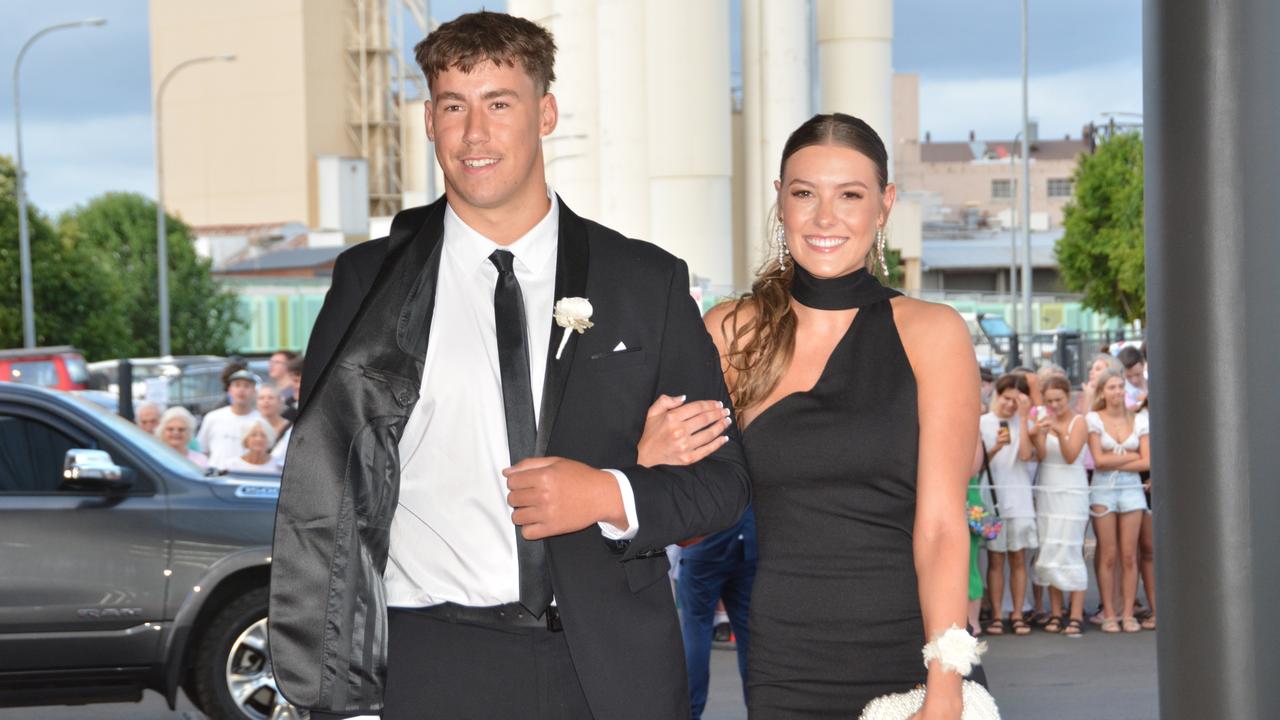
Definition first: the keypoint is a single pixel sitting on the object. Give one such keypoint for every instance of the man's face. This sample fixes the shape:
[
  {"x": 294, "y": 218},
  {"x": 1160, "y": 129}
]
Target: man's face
[
  {"x": 148, "y": 418},
  {"x": 277, "y": 367},
  {"x": 242, "y": 392},
  {"x": 1135, "y": 375},
  {"x": 488, "y": 126}
]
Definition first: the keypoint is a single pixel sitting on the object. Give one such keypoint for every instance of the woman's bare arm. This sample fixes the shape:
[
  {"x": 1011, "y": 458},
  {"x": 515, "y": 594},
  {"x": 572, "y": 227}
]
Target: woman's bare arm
[{"x": 941, "y": 355}]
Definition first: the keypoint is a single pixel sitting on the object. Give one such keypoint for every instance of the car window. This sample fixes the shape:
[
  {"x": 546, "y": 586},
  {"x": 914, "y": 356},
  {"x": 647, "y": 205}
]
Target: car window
[
  {"x": 77, "y": 371},
  {"x": 31, "y": 455},
  {"x": 34, "y": 372},
  {"x": 145, "y": 441}
]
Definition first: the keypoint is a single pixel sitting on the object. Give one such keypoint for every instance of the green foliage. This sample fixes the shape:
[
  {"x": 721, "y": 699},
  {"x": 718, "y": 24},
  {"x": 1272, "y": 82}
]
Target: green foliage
[
  {"x": 74, "y": 292},
  {"x": 1101, "y": 251},
  {"x": 94, "y": 280},
  {"x": 897, "y": 273},
  {"x": 122, "y": 226}
]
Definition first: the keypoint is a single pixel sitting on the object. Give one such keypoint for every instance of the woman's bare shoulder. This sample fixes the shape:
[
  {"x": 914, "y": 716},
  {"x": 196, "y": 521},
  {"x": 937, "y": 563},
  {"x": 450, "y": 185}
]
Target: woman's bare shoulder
[
  {"x": 929, "y": 329},
  {"x": 724, "y": 324}
]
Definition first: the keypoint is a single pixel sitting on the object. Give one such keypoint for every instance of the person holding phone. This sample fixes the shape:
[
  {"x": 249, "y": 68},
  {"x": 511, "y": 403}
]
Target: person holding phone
[
  {"x": 1003, "y": 431},
  {"x": 1062, "y": 505}
]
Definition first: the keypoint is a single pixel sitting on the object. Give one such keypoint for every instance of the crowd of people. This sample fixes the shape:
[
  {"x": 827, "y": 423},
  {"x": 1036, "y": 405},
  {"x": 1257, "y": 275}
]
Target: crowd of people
[
  {"x": 1054, "y": 463},
  {"x": 250, "y": 434}
]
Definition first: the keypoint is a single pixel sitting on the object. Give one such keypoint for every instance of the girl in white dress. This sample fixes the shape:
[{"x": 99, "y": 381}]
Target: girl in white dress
[
  {"x": 1062, "y": 505},
  {"x": 1003, "y": 431},
  {"x": 1118, "y": 441}
]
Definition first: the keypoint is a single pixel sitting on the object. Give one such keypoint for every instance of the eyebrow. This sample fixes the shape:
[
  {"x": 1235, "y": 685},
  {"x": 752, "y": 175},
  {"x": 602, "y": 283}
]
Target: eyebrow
[
  {"x": 858, "y": 183},
  {"x": 490, "y": 95}
]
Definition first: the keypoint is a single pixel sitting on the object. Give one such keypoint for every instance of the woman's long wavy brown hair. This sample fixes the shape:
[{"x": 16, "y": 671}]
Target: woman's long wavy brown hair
[{"x": 762, "y": 341}]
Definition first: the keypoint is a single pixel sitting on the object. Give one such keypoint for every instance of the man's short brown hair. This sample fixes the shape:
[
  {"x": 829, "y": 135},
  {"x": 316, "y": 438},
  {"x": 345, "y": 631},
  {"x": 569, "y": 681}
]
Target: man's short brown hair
[{"x": 479, "y": 37}]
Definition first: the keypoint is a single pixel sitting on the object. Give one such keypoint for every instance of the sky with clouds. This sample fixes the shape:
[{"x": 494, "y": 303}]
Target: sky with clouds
[{"x": 86, "y": 110}]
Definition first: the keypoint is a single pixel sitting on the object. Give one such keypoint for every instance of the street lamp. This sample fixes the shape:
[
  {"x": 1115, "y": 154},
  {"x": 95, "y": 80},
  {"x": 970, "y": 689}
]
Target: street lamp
[
  {"x": 162, "y": 248},
  {"x": 24, "y": 242},
  {"x": 1027, "y": 321},
  {"x": 1013, "y": 230}
]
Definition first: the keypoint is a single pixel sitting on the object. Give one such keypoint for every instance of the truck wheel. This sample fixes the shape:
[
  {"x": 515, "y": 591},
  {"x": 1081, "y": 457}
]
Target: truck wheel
[{"x": 234, "y": 679}]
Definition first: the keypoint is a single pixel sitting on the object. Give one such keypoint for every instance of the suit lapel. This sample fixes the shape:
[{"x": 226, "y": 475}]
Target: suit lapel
[
  {"x": 571, "y": 281},
  {"x": 413, "y": 328}
]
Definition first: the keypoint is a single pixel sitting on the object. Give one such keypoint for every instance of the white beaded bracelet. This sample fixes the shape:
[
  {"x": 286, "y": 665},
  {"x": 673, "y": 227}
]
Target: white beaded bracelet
[{"x": 956, "y": 649}]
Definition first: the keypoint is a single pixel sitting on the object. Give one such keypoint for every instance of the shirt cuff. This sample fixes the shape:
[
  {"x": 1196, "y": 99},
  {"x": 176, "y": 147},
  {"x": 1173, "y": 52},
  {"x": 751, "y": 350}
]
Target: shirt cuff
[{"x": 610, "y": 531}]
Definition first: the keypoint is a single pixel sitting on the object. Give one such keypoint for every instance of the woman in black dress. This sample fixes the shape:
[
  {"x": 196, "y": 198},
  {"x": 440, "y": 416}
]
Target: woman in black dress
[{"x": 858, "y": 406}]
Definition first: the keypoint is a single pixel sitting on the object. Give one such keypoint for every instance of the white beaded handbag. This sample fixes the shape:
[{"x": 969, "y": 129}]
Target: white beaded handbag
[
  {"x": 958, "y": 652},
  {"x": 978, "y": 704}
]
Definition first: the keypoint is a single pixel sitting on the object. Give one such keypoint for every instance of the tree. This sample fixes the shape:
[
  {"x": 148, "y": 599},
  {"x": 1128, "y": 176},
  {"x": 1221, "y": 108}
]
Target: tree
[
  {"x": 74, "y": 292},
  {"x": 122, "y": 228},
  {"x": 1101, "y": 253}
]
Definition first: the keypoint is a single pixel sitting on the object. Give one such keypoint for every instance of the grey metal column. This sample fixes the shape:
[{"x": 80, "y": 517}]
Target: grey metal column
[{"x": 1212, "y": 106}]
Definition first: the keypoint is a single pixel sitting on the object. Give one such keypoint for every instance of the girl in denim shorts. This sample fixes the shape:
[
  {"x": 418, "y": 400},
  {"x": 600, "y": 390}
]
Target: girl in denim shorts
[{"x": 1118, "y": 441}]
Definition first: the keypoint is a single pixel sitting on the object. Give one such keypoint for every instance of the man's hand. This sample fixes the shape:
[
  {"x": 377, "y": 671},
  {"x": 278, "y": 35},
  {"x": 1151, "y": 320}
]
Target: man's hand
[{"x": 555, "y": 496}]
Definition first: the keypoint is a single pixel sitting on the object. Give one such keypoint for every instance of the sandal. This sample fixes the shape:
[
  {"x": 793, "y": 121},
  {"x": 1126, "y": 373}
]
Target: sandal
[
  {"x": 1149, "y": 623},
  {"x": 1053, "y": 625},
  {"x": 1110, "y": 626},
  {"x": 1073, "y": 628},
  {"x": 1130, "y": 625},
  {"x": 1040, "y": 619},
  {"x": 995, "y": 627},
  {"x": 1097, "y": 618},
  {"x": 1020, "y": 626}
]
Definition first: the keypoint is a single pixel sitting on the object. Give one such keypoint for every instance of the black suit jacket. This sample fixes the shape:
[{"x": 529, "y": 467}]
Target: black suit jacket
[{"x": 363, "y": 371}]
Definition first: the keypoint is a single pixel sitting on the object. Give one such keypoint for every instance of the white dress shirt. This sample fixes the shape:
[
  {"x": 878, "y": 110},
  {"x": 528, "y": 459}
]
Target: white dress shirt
[{"x": 452, "y": 538}]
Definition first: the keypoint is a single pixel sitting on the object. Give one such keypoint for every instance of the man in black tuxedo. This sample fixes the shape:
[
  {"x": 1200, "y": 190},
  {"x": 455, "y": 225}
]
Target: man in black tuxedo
[{"x": 517, "y": 543}]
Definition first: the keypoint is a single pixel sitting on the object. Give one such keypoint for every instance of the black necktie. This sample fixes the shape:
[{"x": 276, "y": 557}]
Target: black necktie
[{"x": 522, "y": 432}]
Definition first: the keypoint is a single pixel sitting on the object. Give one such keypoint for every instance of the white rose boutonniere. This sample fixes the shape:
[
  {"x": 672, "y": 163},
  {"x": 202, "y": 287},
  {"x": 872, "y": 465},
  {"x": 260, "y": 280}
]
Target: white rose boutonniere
[{"x": 572, "y": 313}]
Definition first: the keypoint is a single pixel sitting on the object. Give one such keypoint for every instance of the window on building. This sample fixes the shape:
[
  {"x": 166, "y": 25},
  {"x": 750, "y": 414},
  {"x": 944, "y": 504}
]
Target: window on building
[
  {"x": 1059, "y": 187},
  {"x": 1001, "y": 189}
]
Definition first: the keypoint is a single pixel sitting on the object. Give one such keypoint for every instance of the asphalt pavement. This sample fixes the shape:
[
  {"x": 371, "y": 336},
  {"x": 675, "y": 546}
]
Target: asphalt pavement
[{"x": 1095, "y": 677}]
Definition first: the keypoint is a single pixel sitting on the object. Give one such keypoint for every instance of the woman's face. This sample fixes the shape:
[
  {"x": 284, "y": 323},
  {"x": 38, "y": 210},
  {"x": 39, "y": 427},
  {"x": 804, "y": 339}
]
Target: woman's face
[
  {"x": 1056, "y": 401},
  {"x": 1007, "y": 403},
  {"x": 1113, "y": 391},
  {"x": 269, "y": 402},
  {"x": 830, "y": 203},
  {"x": 1097, "y": 369},
  {"x": 176, "y": 434},
  {"x": 256, "y": 441}
]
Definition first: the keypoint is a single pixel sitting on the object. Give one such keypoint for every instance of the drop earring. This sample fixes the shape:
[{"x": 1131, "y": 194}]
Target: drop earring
[
  {"x": 780, "y": 244},
  {"x": 884, "y": 266}
]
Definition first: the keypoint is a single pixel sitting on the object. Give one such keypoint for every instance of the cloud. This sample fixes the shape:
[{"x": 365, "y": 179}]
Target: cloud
[
  {"x": 71, "y": 162},
  {"x": 1063, "y": 102}
]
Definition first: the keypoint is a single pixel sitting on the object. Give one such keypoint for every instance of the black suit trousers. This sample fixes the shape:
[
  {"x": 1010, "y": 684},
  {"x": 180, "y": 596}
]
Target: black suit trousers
[{"x": 440, "y": 670}]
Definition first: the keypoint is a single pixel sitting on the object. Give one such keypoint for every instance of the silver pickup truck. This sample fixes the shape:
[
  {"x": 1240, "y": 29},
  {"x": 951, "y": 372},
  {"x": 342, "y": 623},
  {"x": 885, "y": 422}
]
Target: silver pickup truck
[{"x": 124, "y": 568}]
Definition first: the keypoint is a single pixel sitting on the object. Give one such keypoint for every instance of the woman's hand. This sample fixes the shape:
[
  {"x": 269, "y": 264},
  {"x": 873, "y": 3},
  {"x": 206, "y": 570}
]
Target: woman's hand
[
  {"x": 1003, "y": 438},
  {"x": 1044, "y": 424},
  {"x": 948, "y": 706},
  {"x": 680, "y": 433}
]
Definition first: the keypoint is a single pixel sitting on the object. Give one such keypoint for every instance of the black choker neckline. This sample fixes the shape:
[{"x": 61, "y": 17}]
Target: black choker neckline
[{"x": 857, "y": 289}]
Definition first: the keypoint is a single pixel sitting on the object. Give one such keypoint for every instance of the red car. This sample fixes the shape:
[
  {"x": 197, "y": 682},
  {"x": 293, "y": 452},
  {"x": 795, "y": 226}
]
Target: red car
[{"x": 61, "y": 368}]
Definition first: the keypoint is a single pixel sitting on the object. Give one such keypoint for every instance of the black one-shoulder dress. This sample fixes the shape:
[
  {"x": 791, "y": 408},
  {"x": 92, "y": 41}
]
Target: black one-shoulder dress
[{"x": 835, "y": 613}]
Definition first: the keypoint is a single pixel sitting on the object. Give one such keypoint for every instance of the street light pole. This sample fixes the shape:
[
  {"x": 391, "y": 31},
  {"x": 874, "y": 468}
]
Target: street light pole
[
  {"x": 1013, "y": 231},
  {"x": 1027, "y": 323},
  {"x": 162, "y": 246},
  {"x": 24, "y": 240}
]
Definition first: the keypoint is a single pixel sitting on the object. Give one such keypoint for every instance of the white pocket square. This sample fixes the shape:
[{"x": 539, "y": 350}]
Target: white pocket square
[{"x": 620, "y": 347}]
